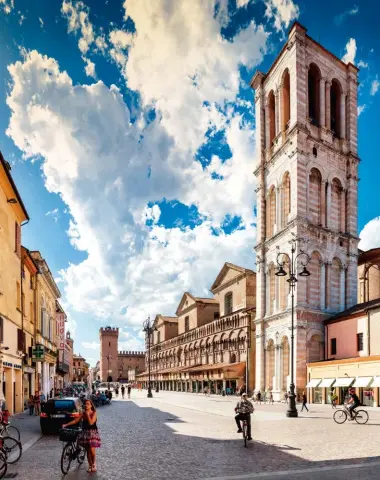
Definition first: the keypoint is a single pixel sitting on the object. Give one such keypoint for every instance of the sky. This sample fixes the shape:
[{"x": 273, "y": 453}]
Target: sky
[{"x": 130, "y": 129}]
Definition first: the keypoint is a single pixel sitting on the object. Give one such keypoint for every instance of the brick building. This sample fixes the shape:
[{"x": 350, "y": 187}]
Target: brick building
[
  {"x": 80, "y": 369},
  {"x": 208, "y": 342},
  {"x": 306, "y": 118},
  {"x": 115, "y": 365}
]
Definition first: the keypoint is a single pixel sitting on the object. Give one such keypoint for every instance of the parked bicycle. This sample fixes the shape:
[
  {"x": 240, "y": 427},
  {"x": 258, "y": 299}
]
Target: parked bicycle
[
  {"x": 360, "y": 416},
  {"x": 3, "y": 465},
  {"x": 8, "y": 430},
  {"x": 71, "y": 450},
  {"x": 11, "y": 448}
]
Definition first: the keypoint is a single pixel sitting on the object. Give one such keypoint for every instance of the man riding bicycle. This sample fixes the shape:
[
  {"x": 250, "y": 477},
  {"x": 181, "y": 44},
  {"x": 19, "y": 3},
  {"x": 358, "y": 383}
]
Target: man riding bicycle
[
  {"x": 353, "y": 402},
  {"x": 244, "y": 408}
]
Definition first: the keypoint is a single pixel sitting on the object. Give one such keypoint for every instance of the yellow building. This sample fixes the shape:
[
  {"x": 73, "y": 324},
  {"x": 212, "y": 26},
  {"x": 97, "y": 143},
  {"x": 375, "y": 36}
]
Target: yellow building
[
  {"x": 12, "y": 216},
  {"x": 46, "y": 326},
  {"x": 29, "y": 271}
]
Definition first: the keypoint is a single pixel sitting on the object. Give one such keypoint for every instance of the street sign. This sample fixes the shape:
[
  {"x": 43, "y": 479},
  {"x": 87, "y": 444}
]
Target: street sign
[{"x": 38, "y": 353}]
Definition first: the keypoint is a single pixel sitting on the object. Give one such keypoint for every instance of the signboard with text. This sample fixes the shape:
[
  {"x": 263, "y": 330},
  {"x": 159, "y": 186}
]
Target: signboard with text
[{"x": 61, "y": 335}]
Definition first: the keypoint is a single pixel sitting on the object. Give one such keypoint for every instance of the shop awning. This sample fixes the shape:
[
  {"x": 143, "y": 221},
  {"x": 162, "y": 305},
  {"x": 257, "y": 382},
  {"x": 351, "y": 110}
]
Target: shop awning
[
  {"x": 376, "y": 382},
  {"x": 327, "y": 382},
  {"x": 362, "y": 382},
  {"x": 314, "y": 382},
  {"x": 344, "y": 382}
]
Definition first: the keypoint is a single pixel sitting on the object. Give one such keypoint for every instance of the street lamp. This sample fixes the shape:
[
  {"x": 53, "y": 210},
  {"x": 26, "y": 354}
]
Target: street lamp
[
  {"x": 292, "y": 265},
  {"x": 149, "y": 328}
]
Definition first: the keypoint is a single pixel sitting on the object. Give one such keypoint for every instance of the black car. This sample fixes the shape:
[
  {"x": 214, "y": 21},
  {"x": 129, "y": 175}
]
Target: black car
[{"x": 58, "y": 411}]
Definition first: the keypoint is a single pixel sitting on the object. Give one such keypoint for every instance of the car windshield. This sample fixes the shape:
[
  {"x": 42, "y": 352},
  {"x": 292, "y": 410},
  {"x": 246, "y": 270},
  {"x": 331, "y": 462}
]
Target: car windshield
[{"x": 64, "y": 405}]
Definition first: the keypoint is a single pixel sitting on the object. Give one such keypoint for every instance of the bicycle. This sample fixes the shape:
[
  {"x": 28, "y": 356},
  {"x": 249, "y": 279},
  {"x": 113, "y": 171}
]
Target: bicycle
[
  {"x": 360, "y": 416},
  {"x": 245, "y": 433},
  {"x": 8, "y": 430},
  {"x": 72, "y": 450},
  {"x": 11, "y": 448}
]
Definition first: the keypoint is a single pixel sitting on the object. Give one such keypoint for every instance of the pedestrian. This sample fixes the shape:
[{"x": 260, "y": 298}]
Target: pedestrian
[
  {"x": 37, "y": 403},
  {"x": 334, "y": 399},
  {"x": 129, "y": 388},
  {"x": 31, "y": 405},
  {"x": 117, "y": 391},
  {"x": 304, "y": 401},
  {"x": 42, "y": 399},
  {"x": 271, "y": 398},
  {"x": 286, "y": 396},
  {"x": 122, "y": 391},
  {"x": 258, "y": 397},
  {"x": 89, "y": 437}
]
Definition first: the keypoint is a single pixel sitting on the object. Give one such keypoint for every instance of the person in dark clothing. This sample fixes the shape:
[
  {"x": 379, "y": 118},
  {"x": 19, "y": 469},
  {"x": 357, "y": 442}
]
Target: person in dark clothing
[
  {"x": 304, "y": 401},
  {"x": 244, "y": 408},
  {"x": 122, "y": 391},
  {"x": 353, "y": 402}
]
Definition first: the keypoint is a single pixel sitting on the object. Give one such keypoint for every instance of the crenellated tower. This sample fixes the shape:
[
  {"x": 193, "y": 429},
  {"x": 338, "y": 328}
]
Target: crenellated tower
[
  {"x": 307, "y": 175},
  {"x": 109, "y": 337}
]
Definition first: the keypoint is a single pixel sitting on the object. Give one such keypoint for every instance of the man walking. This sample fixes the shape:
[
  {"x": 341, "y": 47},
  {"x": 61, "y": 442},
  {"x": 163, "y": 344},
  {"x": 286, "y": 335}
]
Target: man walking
[
  {"x": 304, "y": 401},
  {"x": 37, "y": 404},
  {"x": 122, "y": 391}
]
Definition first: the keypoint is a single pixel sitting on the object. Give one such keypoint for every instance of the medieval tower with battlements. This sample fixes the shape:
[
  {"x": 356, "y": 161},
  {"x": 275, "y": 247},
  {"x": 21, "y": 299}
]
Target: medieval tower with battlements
[
  {"x": 115, "y": 365},
  {"x": 307, "y": 175}
]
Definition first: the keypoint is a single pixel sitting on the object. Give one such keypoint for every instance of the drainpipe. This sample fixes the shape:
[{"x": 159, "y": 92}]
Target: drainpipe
[{"x": 368, "y": 333}]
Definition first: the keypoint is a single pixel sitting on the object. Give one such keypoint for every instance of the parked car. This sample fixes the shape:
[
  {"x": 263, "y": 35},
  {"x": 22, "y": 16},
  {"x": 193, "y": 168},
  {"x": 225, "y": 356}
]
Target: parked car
[{"x": 58, "y": 411}]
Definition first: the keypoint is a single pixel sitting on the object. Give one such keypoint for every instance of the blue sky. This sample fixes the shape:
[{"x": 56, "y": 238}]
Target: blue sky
[{"x": 130, "y": 130}]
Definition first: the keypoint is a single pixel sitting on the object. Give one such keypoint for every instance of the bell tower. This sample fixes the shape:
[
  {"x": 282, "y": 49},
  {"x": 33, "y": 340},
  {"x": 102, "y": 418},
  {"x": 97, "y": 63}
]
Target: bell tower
[
  {"x": 108, "y": 354},
  {"x": 306, "y": 139}
]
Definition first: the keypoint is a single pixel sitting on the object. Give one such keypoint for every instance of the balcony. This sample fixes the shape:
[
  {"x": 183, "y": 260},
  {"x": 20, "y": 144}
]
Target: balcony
[{"x": 63, "y": 367}]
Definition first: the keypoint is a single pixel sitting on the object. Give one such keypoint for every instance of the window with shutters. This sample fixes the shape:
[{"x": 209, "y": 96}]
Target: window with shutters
[
  {"x": 333, "y": 346},
  {"x": 359, "y": 340},
  {"x": 228, "y": 303},
  {"x": 20, "y": 340}
]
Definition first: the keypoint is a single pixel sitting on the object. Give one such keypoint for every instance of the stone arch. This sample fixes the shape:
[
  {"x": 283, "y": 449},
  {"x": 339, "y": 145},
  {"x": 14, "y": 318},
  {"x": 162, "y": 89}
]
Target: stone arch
[
  {"x": 285, "y": 99},
  {"x": 314, "y": 78},
  {"x": 313, "y": 289},
  {"x": 269, "y": 364},
  {"x": 315, "y": 196},
  {"x": 335, "y": 293},
  {"x": 335, "y": 217},
  {"x": 314, "y": 347},
  {"x": 271, "y": 211},
  {"x": 335, "y": 107},
  {"x": 272, "y": 117},
  {"x": 286, "y": 198}
]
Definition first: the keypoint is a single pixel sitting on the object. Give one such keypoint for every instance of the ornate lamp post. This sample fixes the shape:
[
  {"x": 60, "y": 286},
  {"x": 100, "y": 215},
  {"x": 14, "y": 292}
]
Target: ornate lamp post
[
  {"x": 149, "y": 328},
  {"x": 292, "y": 263}
]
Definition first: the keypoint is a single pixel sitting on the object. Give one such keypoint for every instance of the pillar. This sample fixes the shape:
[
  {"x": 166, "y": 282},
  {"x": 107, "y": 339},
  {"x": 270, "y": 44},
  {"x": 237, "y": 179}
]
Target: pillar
[
  {"x": 327, "y": 106},
  {"x": 322, "y": 109},
  {"x": 343, "y": 115},
  {"x": 328, "y": 204},
  {"x": 322, "y": 287},
  {"x": 267, "y": 126},
  {"x": 342, "y": 288},
  {"x": 327, "y": 284},
  {"x": 279, "y": 221},
  {"x": 323, "y": 213},
  {"x": 343, "y": 210},
  {"x": 277, "y": 112}
]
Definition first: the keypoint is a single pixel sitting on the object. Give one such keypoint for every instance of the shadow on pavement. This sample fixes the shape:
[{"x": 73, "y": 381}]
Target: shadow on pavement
[{"x": 141, "y": 443}]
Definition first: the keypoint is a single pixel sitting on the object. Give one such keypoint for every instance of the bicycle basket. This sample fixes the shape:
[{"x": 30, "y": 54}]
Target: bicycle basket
[{"x": 68, "y": 435}]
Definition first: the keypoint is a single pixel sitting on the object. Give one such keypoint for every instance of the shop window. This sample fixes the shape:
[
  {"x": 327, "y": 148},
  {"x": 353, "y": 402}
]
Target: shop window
[
  {"x": 333, "y": 346},
  {"x": 359, "y": 341}
]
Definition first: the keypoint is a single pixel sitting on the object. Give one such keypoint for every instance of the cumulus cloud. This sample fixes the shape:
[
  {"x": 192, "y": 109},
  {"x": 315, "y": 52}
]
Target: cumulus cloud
[
  {"x": 77, "y": 16},
  {"x": 282, "y": 12},
  {"x": 349, "y": 56},
  {"x": 89, "y": 68},
  {"x": 370, "y": 235},
  {"x": 375, "y": 85},
  {"x": 339, "y": 19},
  {"x": 7, "y": 6},
  {"x": 113, "y": 172}
]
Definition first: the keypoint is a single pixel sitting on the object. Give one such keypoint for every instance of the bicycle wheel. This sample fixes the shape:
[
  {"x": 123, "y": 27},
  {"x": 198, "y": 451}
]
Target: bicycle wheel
[
  {"x": 81, "y": 455},
  {"x": 12, "y": 449},
  {"x": 66, "y": 457},
  {"x": 3, "y": 465},
  {"x": 245, "y": 434},
  {"x": 340, "y": 416},
  {"x": 361, "y": 417},
  {"x": 11, "y": 431}
]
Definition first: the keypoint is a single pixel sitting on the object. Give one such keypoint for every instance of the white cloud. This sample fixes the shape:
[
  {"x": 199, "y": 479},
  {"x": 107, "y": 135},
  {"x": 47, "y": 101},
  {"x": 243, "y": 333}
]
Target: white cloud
[
  {"x": 107, "y": 169},
  {"x": 361, "y": 109},
  {"x": 370, "y": 235},
  {"x": 7, "y": 5},
  {"x": 362, "y": 64},
  {"x": 54, "y": 214},
  {"x": 282, "y": 12},
  {"x": 242, "y": 3},
  {"x": 375, "y": 85},
  {"x": 349, "y": 56},
  {"x": 89, "y": 68},
  {"x": 347, "y": 13},
  {"x": 77, "y": 16},
  {"x": 91, "y": 345}
]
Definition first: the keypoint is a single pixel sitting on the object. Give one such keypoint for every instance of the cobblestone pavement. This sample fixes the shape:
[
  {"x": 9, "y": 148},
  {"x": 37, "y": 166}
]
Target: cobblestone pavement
[{"x": 192, "y": 436}]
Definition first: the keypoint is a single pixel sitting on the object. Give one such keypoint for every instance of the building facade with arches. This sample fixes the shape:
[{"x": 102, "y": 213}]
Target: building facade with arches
[
  {"x": 306, "y": 130},
  {"x": 208, "y": 344}
]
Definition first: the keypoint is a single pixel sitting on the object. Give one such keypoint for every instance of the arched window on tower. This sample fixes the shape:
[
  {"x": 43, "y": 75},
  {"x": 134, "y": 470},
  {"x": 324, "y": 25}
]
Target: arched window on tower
[
  {"x": 314, "y": 281},
  {"x": 335, "y": 99},
  {"x": 336, "y": 267},
  {"x": 285, "y": 100},
  {"x": 315, "y": 191},
  {"x": 271, "y": 211},
  {"x": 286, "y": 199},
  {"x": 272, "y": 117},
  {"x": 314, "y": 77},
  {"x": 335, "y": 220},
  {"x": 272, "y": 288}
]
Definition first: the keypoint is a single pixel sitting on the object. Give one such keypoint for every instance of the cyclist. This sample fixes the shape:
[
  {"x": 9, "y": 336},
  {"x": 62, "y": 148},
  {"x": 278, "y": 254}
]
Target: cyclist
[
  {"x": 353, "y": 402},
  {"x": 244, "y": 408}
]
